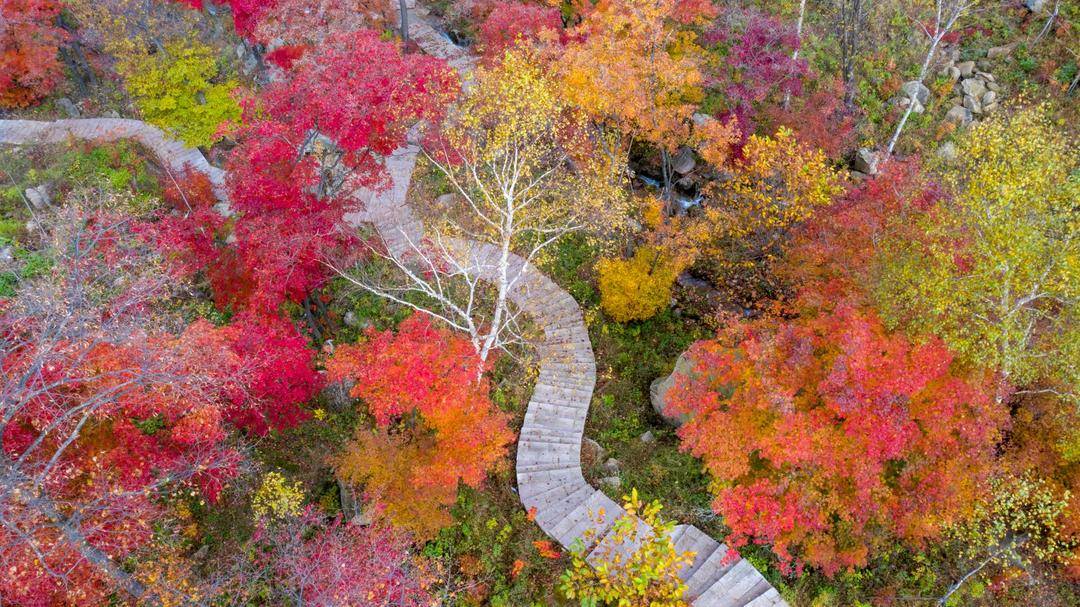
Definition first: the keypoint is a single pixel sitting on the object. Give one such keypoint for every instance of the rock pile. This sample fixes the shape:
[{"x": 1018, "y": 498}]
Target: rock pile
[{"x": 975, "y": 91}]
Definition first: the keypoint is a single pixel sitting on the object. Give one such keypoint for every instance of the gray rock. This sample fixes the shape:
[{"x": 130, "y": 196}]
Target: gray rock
[
  {"x": 916, "y": 89},
  {"x": 349, "y": 507},
  {"x": 947, "y": 151},
  {"x": 959, "y": 115},
  {"x": 866, "y": 161},
  {"x": 972, "y": 103},
  {"x": 974, "y": 87},
  {"x": 953, "y": 73},
  {"x": 611, "y": 482},
  {"x": 659, "y": 387},
  {"x": 993, "y": 86},
  {"x": 39, "y": 197},
  {"x": 336, "y": 396},
  {"x": 112, "y": 114},
  {"x": 1000, "y": 51},
  {"x": 986, "y": 76},
  {"x": 249, "y": 65},
  {"x": 954, "y": 55},
  {"x": 967, "y": 68},
  {"x": 699, "y": 119},
  {"x": 990, "y": 107},
  {"x": 611, "y": 466},
  {"x": 7, "y": 255},
  {"x": 350, "y": 319},
  {"x": 362, "y": 518},
  {"x": 683, "y": 162},
  {"x": 446, "y": 201},
  {"x": 647, "y": 438},
  {"x": 1035, "y": 6},
  {"x": 69, "y": 108},
  {"x": 917, "y": 108},
  {"x": 988, "y": 98},
  {"x": 592, "y": 449}
]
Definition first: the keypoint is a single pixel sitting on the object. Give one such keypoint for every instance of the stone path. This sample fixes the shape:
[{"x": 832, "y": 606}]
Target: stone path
[{"x": 549, "y": 473}]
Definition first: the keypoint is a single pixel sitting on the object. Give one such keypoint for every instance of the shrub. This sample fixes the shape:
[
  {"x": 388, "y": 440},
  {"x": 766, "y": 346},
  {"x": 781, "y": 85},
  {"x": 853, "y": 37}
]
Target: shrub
[
  {"x": 636, "y": 288},
  {"x": 179, "y": 90}
]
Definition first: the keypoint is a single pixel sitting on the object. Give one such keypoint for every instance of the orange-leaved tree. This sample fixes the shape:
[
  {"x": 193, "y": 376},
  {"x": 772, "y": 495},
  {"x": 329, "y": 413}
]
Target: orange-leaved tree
[
  {"x": 633, "y": 68},
  {"x": 829, "y": 437},
  {"x": 434, "y": 424}
]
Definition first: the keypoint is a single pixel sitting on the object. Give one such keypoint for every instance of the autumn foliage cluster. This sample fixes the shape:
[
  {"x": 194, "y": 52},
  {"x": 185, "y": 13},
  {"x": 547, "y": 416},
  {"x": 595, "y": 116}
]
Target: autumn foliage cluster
[
  {"x": 435, "y": 425},
  {"x": 887, "y": 403},
  {"x": 29, "y": 51}
]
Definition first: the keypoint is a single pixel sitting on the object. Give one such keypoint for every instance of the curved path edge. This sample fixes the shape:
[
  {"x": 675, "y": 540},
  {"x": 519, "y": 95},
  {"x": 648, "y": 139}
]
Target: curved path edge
[{"x": 549, "y": 475}]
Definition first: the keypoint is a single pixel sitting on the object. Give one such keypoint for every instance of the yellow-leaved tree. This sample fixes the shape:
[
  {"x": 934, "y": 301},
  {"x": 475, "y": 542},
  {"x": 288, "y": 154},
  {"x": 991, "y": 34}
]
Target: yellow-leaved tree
[
  {"x": 777, "y": 184},
  {"x": 995, "y": 268},
  {"x": 183, "y": 90},
  {"x": 648, "y": 574},
  {"x": 639, "y": 287},
  {"x": 167, "y": 56}
]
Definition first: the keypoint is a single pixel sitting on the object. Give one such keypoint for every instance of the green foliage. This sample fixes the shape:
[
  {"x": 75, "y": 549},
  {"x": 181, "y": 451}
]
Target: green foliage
[
  {"x": 491, "y": 548},
  {"x": 647, "y": 575},
  {"x": 28, "y": 264},
  {"x": 183, "y": 90}
]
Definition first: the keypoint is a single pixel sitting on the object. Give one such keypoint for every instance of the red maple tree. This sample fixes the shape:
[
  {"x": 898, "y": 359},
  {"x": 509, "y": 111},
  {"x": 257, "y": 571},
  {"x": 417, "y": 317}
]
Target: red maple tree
[
  {"x": 307, "y": 142},
  {"x": 106, "y": 410},
  {"x": 311, "y": 559},
  {"x": 511, "y": 22},
  {"x": 29, "y": 40},
  {"x": 830, "y": 437}
]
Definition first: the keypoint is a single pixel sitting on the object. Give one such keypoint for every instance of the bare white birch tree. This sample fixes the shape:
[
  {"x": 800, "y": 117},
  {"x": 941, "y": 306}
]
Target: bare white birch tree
[
  {"x": 511, "y": 153},
  {"x": 946, "y": 14}
]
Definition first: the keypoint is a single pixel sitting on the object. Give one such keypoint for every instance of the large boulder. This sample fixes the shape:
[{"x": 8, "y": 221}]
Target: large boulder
[
  {"x": 972, "y": 103},
  {"x": 916, "y": 89},
  {"x": 39, "y": 197},
  {"x": 959, "y": 115},
  {"x": 660, "y": 386},
  {"x": 975, "y": 87},
  {"x": 68, "y": 107},
  {"x": 866, "y": 161},
  {"x": 683, "y": 162}
]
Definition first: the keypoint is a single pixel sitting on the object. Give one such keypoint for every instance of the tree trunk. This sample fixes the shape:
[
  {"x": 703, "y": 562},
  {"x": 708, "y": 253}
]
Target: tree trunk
[
  {"x": 403, "y": 8},
  {"x": 798, "y": 38}
]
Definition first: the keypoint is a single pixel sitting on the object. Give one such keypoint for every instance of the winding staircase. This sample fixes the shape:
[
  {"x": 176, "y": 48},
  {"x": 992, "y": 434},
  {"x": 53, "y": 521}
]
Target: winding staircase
[{"x": 549, "y": 474}]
